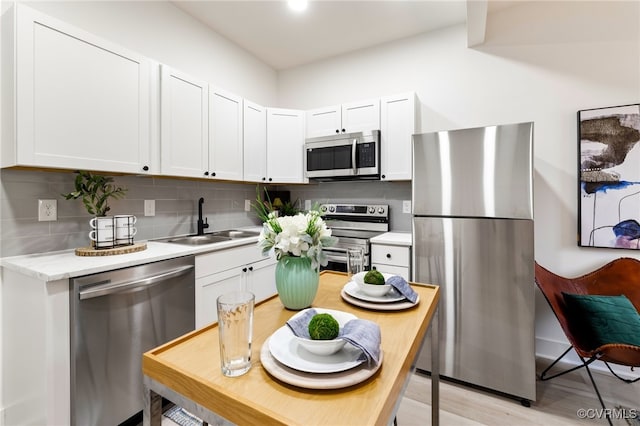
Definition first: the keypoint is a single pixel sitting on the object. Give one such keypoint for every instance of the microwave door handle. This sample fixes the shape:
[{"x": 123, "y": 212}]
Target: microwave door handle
[{"x": 353, "y": 156}]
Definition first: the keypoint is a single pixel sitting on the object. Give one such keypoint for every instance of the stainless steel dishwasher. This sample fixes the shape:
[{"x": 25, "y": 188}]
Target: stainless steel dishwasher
[{"x": 115, "y": 317}]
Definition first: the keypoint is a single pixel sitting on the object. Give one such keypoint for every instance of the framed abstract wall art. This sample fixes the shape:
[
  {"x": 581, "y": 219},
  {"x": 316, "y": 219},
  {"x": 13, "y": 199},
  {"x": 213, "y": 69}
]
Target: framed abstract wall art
[{"x": 609, "y": 177}]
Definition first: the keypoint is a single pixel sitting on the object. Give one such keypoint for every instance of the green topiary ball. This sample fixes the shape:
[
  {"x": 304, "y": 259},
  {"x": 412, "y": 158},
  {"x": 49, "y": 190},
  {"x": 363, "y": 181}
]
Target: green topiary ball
[
  {"x": 323, "y": 327},
  {"x": 374, "y": 277}
]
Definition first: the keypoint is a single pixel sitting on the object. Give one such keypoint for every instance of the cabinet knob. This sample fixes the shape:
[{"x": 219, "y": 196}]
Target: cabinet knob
[
  {"x": 374, "y": 268},
  {"x": 244, "y": 269},
  {"x": 264, "y": 178},
  {"x": 270, "y": 179},
  {"x": 337, "y": 130},
  {"x": 145, "y": 168},
  {"x": 388, "y": 255},
  {"x": 251, "y": 268},
  {"x": 343, "y": 131},
  {"x": 383, "y": 176},
  {"x": 206, "y": 173},
  {"x": 213, "y": 173}
]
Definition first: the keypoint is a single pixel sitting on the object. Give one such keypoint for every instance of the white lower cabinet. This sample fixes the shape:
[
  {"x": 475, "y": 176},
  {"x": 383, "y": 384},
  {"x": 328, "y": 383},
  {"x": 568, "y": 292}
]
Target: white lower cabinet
[
  {"x": 391, "y": 259},
  {"x": 243, "y": 268}
]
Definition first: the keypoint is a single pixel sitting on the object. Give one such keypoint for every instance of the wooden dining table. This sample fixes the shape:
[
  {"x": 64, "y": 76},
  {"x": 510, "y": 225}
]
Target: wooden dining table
[{"x": 187, "y": 371}]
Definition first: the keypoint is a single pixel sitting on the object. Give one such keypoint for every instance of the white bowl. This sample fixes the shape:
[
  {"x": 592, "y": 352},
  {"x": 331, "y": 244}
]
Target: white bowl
[
  {"x": 321, "y": 347},
  {"x": 376, "y": 290},
  {"x": 326, "y": 347}
]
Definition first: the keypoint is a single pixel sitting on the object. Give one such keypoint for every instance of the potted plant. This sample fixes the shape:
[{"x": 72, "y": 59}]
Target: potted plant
[{"x": 95, "y": 191}]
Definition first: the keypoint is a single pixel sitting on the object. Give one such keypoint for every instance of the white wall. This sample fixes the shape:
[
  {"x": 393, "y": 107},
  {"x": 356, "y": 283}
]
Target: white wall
[
  {"x": 161, "y": 31},
  {"x": 542, "y": 62}
]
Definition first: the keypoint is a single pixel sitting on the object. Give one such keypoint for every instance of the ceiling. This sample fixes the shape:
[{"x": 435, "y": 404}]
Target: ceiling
[{"x": 284, "y": 39}]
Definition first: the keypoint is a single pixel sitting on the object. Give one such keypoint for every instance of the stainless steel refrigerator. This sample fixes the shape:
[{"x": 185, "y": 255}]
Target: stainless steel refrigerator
[{"x": 472, "y": 195}]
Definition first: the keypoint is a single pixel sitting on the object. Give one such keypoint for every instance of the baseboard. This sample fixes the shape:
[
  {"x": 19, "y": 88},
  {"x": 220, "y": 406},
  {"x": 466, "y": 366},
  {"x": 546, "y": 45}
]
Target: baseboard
[{"x": 551, "y": 349}]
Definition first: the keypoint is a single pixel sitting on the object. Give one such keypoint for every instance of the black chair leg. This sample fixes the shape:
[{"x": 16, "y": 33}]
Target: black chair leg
[
  {"x": 546, "y": 370},
  {"x": 593, "y": 382}
]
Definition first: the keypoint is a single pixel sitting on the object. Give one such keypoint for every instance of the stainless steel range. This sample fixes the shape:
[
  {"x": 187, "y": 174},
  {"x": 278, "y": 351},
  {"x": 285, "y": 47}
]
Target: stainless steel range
[{"x": 353, "y": 225}]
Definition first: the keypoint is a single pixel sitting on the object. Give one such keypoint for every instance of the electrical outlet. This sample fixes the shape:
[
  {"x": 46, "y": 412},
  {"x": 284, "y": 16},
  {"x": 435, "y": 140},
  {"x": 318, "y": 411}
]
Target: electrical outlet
[
  {"x": 247, "y": 205},
  {"x": 406, "y": 206},
  {"x": 47, "y": 210},
  {"x": 149, "y": 207}
]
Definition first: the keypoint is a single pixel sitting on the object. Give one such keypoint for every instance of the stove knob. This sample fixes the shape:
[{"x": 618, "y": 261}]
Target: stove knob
[
  {"x": 323, "y": 209},
  {"x": 372, "y": 210},
  {"x": 381, "y": 210},
  {"x": 332, "y": 209}
]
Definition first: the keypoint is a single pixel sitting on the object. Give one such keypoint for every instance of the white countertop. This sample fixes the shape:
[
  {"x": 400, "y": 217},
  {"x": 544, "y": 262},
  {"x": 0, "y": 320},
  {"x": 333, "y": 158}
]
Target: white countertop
[
  {"x": 65, "y": 264},
  {"x": 393, "y": 238}
]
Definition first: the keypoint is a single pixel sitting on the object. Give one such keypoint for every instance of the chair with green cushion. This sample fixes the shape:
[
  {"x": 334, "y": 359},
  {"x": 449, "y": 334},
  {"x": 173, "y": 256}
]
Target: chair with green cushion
[{"x": 599, "y": 313}]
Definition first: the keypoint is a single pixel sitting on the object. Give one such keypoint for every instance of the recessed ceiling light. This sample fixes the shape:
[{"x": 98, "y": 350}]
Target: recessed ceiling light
[{"x": 298, "y": 5}]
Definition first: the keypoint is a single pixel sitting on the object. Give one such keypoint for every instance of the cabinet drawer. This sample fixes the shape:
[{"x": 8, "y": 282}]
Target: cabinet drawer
[
  {"x": 393, "y": 270},
  {"x": 390, "y": 255},
  {"x": 223, "y": 260}
]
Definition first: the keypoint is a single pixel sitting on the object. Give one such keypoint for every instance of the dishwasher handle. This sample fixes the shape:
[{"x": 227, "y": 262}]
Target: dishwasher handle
[{"x": 123, "y": 286}]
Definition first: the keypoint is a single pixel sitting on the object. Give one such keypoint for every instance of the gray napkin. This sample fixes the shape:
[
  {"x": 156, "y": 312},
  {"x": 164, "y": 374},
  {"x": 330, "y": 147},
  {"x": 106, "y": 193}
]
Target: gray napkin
[
  {"x": 403, "y": 287},
  {"x": 363, "y": 334}
]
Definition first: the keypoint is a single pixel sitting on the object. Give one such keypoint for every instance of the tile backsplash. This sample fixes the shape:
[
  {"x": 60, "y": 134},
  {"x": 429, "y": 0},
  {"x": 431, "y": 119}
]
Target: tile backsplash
[{"x": 176, "y": 202}]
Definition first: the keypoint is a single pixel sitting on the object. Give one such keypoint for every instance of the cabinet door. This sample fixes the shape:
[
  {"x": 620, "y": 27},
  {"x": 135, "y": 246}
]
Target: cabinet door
[
  {"x": 81, "y": 102},
  {"x": 262, "y": 279},
  {"x": 225, "y": 135},
  {"x": 324, "y": 121},
  {"x": 361, "y": 116},
  {"x": 208, "y": 289},
  {"x": 397, "y": 125},
  {"x": 285, "y": 145},
  {"x": 255, "y": 142},
  {"x": 184, "y": 142}
]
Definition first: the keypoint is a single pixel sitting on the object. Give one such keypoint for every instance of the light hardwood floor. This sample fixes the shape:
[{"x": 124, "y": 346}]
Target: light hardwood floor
[{"x": 558, "y": 402}]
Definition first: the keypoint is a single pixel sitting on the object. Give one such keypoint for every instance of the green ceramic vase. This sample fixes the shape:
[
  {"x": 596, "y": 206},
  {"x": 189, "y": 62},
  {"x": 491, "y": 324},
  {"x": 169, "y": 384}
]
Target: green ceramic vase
[{"x": 296, "y": 282}]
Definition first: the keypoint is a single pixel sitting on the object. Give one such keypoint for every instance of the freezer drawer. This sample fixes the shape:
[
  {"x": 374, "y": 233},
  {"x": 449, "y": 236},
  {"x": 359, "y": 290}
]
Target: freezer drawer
[{"x": 485, "y": 270}]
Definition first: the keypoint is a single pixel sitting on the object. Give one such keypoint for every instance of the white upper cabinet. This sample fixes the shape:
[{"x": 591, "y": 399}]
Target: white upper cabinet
[
  {"x": 80, "y": 101},
  {"x": 398, "y": 122},
  {"x": 285, "y": 145},
  {"x": 255, "y": 142},
  {"x": 184, "y": 140},
  {"x": 346, "y": 118},
  {"x": 324, "y": 121},
  {"x": 225, "y": 135},
  {"x": 361, "y": 116}
]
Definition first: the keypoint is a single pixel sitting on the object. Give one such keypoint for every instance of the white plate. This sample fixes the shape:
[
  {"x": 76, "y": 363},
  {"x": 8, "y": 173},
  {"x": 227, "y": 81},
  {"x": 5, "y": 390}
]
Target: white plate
[
  {"x": 395, "y": 306},
  {"x": 352, "y": 289},
  {"x": 286, "y": 349},
  {"x": 337, "y": 380}
]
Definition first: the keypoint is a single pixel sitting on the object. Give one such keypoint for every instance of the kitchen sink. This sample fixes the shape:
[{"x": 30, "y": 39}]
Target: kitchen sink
[
  {"x": 210, "y": 238},
  {"x": 235, "y": 233}
]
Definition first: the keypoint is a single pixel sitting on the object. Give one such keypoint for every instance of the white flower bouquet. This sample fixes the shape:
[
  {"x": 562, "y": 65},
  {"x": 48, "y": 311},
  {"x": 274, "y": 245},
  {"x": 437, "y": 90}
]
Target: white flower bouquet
[{"x": 301, "y": 235}]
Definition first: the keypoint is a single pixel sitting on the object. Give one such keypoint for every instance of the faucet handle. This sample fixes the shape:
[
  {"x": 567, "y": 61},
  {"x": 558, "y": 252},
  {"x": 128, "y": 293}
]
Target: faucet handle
[{"x": 205, "y": 224}]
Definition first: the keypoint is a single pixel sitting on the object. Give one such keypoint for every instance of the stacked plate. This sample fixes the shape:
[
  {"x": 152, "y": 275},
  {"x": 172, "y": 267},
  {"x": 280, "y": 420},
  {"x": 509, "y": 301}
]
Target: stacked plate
[
  {"x": 284, "y": 358},
  {"x": 392, "y": 301}
]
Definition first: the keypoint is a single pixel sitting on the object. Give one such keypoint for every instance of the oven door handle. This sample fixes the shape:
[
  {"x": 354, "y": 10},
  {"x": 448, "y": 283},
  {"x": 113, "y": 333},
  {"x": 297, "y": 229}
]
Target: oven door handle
[
  {"x": 353, "y": 156},
  {"x": 335, "y": 249},
  {"x": 341, "y": 259}
]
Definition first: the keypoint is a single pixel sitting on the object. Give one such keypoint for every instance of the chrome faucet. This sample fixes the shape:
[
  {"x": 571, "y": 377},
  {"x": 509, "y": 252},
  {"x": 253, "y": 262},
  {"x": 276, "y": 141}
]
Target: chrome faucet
[{"x": 202, "y": 225}]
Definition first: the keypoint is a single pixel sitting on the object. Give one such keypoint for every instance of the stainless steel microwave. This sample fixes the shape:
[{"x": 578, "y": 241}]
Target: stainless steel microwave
[{"x": 343, "y": 157}]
